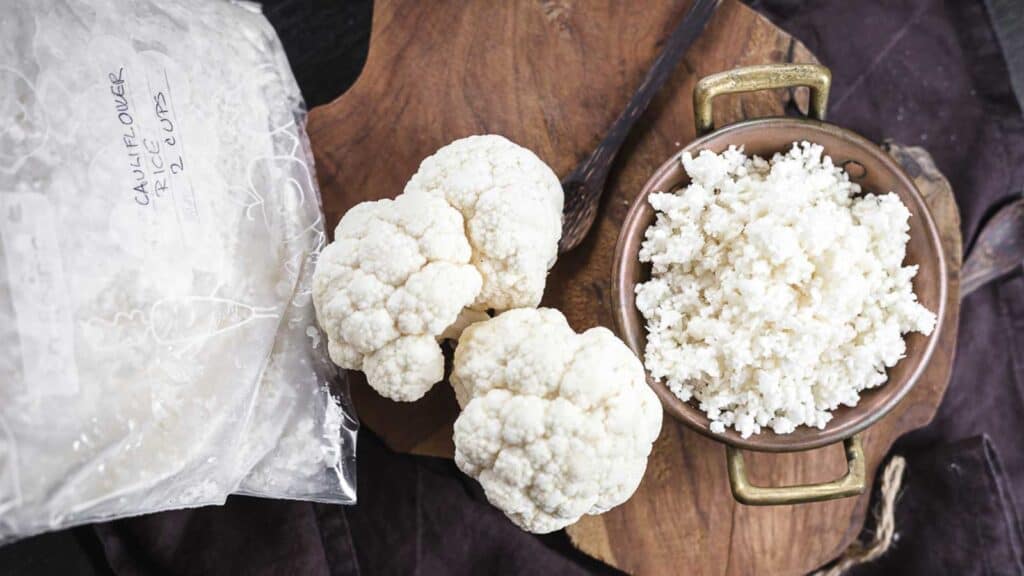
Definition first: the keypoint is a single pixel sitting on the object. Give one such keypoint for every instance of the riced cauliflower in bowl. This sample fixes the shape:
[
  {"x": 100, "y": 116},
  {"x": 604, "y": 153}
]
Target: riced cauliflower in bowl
[
  {"x": 777, "y": 292},
  {"x": 780, "y": 305}
]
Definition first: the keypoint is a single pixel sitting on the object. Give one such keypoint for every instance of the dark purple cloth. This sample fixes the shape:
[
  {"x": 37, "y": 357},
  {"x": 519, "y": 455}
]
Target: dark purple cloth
[
  {"x": 246, "y": 536},
  {"x": 956, "y": 515},
  {"x": 922, "y": 72},
  {"x": 415, "y": 515}
]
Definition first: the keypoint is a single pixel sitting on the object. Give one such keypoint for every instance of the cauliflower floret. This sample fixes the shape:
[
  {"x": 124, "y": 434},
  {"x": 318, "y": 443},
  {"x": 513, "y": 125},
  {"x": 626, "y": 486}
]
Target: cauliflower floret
[
  {"x": 476, "y": 229},
  {"x": 554, "y": 424},
  {"x": 512, "y": 204},
  {"x": 396, "y": 277}
]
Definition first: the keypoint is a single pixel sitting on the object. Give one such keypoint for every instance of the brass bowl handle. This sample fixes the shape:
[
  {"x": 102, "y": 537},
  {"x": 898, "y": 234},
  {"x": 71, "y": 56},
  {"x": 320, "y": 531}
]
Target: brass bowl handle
[
  {"x": 851, "y": 484},
  {"x": 763, "y": 77}
]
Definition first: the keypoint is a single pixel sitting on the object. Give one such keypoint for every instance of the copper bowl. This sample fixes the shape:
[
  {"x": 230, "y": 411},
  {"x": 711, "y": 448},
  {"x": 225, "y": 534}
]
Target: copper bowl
[{"x": 870, "y": 167}]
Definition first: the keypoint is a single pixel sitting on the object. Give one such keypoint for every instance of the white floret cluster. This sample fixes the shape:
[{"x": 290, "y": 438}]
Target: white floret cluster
[
  {"x": 512, "y": 203},
  {"x": 777, "y": 293},
  {"x": 476, "y": 229},
  {"x": 395, "y": 277},
  {"x": 554, "y": 424}
]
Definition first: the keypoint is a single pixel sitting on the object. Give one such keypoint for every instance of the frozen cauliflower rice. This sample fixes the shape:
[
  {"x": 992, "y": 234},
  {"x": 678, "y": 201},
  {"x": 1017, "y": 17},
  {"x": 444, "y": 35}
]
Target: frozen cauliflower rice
[{"x": 777, "y": 293}]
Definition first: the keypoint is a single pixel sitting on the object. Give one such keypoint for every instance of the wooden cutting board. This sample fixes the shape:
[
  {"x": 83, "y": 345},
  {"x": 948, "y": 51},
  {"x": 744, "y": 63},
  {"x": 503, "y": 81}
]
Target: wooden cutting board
[{"x": 552, "y": 75}]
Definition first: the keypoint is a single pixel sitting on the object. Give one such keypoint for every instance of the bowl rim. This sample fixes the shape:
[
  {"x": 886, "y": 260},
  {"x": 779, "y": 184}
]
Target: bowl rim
[{"x": 693, "y": 417}]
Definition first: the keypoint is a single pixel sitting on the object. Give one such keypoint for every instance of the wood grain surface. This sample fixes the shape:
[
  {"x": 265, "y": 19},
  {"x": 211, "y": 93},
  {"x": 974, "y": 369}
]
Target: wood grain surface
[{"x": 553, "y": 75}]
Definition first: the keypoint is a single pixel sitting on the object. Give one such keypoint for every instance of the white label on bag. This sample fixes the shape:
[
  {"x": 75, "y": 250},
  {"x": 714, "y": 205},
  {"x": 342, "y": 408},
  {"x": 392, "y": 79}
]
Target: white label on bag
[
  {"x": 38, "y": 294},
  {"x": 152, "y": 141},
  {"x": 159, "y": 183}
]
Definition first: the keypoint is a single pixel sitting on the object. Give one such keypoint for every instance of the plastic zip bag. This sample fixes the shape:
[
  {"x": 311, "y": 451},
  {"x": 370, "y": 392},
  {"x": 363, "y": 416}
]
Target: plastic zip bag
[{"x": 159, "y": 225}]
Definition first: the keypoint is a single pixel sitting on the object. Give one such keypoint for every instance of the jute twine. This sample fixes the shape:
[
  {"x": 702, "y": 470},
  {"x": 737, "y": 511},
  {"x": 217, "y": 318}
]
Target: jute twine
[{"x": 885, "y": 524}]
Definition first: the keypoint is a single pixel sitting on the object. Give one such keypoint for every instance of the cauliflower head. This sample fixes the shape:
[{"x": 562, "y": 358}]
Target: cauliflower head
[
  {"x": 512, "y": 203},
  {"x": 397, "y": 275},
  {"x": 554, "y": 424}
]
